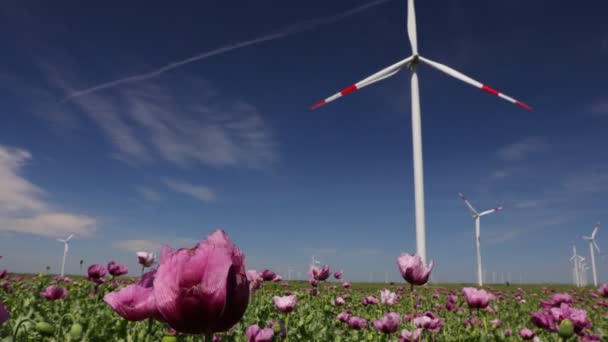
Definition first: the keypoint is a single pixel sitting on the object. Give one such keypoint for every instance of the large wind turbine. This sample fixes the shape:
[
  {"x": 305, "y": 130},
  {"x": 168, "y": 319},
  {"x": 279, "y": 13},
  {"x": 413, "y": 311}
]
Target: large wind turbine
[
  {"x": 592, "y": 252},
  {"x": 65, "y": 251},
  {"x": 411, "y": 63},
  {"x": 476, "y": 216}
]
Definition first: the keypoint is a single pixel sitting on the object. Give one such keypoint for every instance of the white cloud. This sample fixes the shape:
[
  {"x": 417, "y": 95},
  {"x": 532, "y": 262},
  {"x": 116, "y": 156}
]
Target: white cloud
[
  {"x": 600, "y": 107},
  {"x": 23, "y": 208},
  {"x": 153, "y": 245},
  {"x": 199, "y": 192},
  {"x": 522, "y": 149},
  {"x": 148, "y": 194},
  {"x": 590, "y": 181},
  {"x": 499, "y": 174}
]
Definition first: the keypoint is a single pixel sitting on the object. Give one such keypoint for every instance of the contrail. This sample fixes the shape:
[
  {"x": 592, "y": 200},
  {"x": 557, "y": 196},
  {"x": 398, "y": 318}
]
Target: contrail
[{"x": 293, "y": 29}]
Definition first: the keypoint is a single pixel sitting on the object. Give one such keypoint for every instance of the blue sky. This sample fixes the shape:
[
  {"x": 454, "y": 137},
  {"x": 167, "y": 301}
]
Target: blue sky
[{"x": 229, "y": 142}]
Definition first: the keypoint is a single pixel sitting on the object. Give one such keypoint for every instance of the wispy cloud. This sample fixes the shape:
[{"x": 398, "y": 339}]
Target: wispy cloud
[
  {"x": 199, "y": 192},
  {"x": 281, "y": 33},
  {"x": 185, "y": 123},
  {"x": 600, "y": 107},
  {"x": 522, "y": 149},
  {"x": 23, "y": 208},
  {"x": 148, "y": 194},
  {"x": 588, "y": 181},
  {"x": 499, "y": 174}
]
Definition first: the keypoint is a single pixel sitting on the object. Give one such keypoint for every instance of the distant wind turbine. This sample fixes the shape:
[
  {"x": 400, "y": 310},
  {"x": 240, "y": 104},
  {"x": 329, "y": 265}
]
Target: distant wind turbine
[
  {"x": 412, "y": 63},
  {"x": 576, "y": 260},
  {"x": 592, "y": 244},
  {"x": 476, "y": 216},
  {"x": 65, "y": 251}
]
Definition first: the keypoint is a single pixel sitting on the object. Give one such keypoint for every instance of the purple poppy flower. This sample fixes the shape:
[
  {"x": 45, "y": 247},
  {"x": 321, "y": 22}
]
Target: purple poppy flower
[
  {"x": 544, "y": 320},
  {"x": 202, "y": 290},
  {"x": 4, "y": 316},
  {"x": 357, "y": 323},
  {"x": 556, "y": 300},
  {"x": 452, "y": 299},
  {"x": 277, "y": 278},
  {"x": 604, "y": 290},
  {"x": 429, "y": 321},
  {"x": 285, "y": 303},
  {"x": 339, "y": 301},
  {"x": 320, "y": 273},
  {"x": 255, "y": 334},
  {"x": 54, "y": 293},
  {"x": 255, "y": 281},
  {"x": 476, "y": 298},
  {"x": 313, "y": 292},
  {"x": 387, "y": 297},
  {"x": 413, "y": 269},
  {"x": 338, "y": 275},
  {"x": 407, "y": 336},
  {"x": 135, "y": 302},
  {"x": 346, "y": 284},
  {"x": 497, "y": 323},
  {"x": 389, "y": 323},
  {"x": 3, "y": 274},
  {"x": 95, "y": 273},
  {"x": 145, "y": 259},
  {"x": 369, "y": 300},
  {"x": 344, "y": 316},
  {"x": 117, "y": 269},
  {"x": 267, "y": 275},
  {"x": 313, "y": 282},
  {"x": 526, "y": 334},
  {"x": 508, "y": 332}
]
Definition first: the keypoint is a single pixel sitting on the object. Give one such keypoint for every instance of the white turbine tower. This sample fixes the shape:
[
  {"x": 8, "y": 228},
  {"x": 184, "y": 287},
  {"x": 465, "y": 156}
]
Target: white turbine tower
[
  {"x": 411, "y": 63},
  {"x": 65, "y": 251},
  {"x": 576, "y": 261},
  {"x": 592, "y": 244},
  {"x": 476, "y": 216}
]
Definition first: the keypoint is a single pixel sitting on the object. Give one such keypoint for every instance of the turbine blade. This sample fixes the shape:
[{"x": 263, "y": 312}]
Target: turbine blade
[
  {"x": 585, "y": 237},
  {"x": 595, "y": 229},
  {"x": 458, "y": 75},
  {"x": 596, "y": 246},
  {"x": 70, "y": 237},
  {"x": 411, "y": 26},
  {"x": 379, "y": 76},
  {"x": 490, "y": 211},
  {"x": 466, "y": 201}
]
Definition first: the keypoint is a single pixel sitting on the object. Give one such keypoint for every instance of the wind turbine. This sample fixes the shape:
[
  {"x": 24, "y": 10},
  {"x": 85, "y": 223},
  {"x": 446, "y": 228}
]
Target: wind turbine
[
  {"x": 576, "y": 259},
  {"x": 476, "y": 216},
  {"x": 592, "y": 252},
  {"x": 65, "y": 251},
  {"x": 411, "y": 63}
]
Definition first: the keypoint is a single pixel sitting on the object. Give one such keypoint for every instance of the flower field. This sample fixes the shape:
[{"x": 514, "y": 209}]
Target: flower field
[{"x": 200, "y": 302}]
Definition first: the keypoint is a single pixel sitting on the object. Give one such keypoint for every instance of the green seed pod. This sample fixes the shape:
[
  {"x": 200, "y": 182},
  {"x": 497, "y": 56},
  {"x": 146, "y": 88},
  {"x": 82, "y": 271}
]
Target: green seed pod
[
  {"x": 566, "y": 328},
  {"x": 76, "y": 331},
  {"x": 45, "y": 328},
  {"x": 169, "y": 338}
]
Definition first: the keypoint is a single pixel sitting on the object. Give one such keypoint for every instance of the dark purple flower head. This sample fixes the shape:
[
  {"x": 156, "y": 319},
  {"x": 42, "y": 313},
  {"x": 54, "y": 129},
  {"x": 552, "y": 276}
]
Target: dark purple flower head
[
  {"x": 285, "y": 303},
  {"x": 255, "y": 334},
  {"x": 357, "y": 323},
  {"x": 389, "y": 323},
  {"x": 604, "y": 290},
  {"x": 320, "y": 273},
  {"x": 117, "y": 269},
  {"x": 145, "y": 259},
  {"x": 135, "y": 302},
  {"x": 344, "y": 316},
  {"x": 54, "y": 293},
  {"x": 476, "y": 298},
  {"x": 338, "y": 275},
  {"x": 526, "y": 334},
  {"x": 339, "y": 301},
  {"x": 204, "y": 289},
  {"x": 346, "y": 284},
  {"x": 413, "y": 269},
  {"x": 407, "y": 336},
  {"x": 267, "y": 275},
  {"x": 313, "y": 292},
  {"x": 95, "y": 273},
  {"x": 255, "y": 281},
  {"x": 369, "y": 300},
  {"x": 544, "y": 320},
  {"x": 429, "y": 321},
  {"x": 452, "y": 299},
  {"x": 313, "y": 282},
  {"x": 3, "y": 274},
  {"x": 4, "y": 316}
]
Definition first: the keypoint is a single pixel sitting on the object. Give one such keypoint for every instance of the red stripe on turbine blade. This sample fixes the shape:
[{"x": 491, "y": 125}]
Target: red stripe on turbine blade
[
  {"x": 523, "y": 105},
  {"x": 349, "y": 90},
  {"x": 489, "y": 90},
  {"x": 318, "y": 104}
]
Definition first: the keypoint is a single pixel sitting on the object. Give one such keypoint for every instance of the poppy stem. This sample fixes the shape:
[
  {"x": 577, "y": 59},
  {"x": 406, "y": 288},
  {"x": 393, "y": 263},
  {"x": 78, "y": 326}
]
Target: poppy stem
[
  {"x": 19, "y": 326},
  {"x": 286, "y": 328}
]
